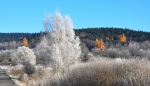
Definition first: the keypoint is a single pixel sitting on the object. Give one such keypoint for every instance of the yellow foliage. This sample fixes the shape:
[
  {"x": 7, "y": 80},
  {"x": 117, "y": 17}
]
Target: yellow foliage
[
  {"x": 122, "y": 38},
  {"x": 100, "y": 44},
  {"x": 25, "y": 42}
]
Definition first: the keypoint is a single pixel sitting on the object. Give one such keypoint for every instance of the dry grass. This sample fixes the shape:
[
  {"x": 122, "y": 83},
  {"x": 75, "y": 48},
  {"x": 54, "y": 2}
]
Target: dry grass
[
  {"x": 15, "y": 73},
  {"x": 107, "y": 72},
  {"x": 100, "y": 72}
]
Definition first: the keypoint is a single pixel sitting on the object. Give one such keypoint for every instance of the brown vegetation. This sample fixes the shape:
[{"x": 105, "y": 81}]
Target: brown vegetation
[
  {"x": 107, "y": 72},
  {"x": 100, "y": 44},
  {"x": 122, "y": 38},
  {"x": 25, "y": 42}
]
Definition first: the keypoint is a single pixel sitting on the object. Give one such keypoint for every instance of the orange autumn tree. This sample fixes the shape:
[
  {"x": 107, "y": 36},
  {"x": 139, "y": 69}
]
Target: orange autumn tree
[
  {"x": 100, "y": 44},
  {"x": 97, "y": 43},
  {"x": 25, "y": 42},
  {"x": 122, "y": 38}
]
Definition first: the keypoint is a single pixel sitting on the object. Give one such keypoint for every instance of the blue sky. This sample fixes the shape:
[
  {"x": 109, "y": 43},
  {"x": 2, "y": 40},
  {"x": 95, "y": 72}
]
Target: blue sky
[{"x": 27, "y": 15}]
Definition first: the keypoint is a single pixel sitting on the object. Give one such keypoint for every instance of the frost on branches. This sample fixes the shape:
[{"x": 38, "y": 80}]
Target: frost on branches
[
  {"x": 62, "y": 46},
  {"x": 43, "y": 53},
  {"x": 24, "y": 54}
]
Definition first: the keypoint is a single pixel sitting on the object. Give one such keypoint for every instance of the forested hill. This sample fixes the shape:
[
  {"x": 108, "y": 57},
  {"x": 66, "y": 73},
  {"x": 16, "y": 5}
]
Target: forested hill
[
  {"x": 7, "y": 37},
  {"x": 112, "y": 34},
  {"x": 87, "y": 35}
]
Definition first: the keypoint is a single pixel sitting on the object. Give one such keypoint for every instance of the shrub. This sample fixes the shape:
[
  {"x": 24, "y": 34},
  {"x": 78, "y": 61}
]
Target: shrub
[
  {"x": 23, "y": 78},
  {"x": 23, "y": 54},
  {"x": 28, "y": 68},
  {"x": 113, "y": 53}
]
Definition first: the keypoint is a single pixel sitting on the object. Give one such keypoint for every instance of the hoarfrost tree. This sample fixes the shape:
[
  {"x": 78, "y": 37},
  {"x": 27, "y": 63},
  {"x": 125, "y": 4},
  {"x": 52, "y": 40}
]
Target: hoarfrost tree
[
  {"x": 63, "y": 47},
  {"x": 84, "y": 52},
  {"x": 24, "y": 54},
  {"x": 134, "y": 48},
  {"x": 43, "y": 53}
]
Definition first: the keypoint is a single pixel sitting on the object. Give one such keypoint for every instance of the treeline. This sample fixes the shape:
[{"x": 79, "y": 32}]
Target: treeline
[
  {"x": 13, "y": 40},
  {"x": 87, "y": 36},
  {"x": 110, "y": 35}
]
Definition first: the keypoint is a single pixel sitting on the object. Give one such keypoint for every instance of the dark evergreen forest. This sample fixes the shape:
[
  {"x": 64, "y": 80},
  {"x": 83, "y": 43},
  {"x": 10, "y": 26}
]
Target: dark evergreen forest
[{"x": 87, "y": 36}]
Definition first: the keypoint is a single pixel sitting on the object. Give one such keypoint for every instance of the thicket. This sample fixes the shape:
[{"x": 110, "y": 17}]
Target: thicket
[{"x": 132, "y": 50}]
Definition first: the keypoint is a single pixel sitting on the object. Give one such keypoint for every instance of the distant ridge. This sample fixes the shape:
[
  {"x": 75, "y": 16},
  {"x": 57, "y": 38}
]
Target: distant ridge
[
  {"x": 90, "y": 33},
  {"x": 110, "y": 32},
  {"x": 87, "y": 36}
]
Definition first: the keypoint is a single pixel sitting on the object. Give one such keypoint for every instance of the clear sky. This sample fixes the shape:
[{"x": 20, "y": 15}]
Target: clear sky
[{"x": 27, "y": 15}]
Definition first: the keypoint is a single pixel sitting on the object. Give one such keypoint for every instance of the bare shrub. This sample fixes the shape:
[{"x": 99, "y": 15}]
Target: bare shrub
[
  {"x": 124, "y": 54},
  {"x": 23, "y": 78},
  {"x": 97, "y": 52},
  {"x": 40, "y": 73},
  {"x": 129, "y": 81},
  {"x": 28, "y": 68},
  {"x": 15, "y": 72},
  {"x": 112, "y": 52}
]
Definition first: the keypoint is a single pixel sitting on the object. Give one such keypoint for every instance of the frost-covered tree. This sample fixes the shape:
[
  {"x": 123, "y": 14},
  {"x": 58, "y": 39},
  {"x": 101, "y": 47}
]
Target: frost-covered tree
[
  {"x": 134, "y": 48},
  {"x": 62, "y": 47},
  {"x": 43, "y": 53},
  {"x": 97, "y": 52},
  {"x": 12, "y": 45},
  {"x": 124, "y": 53},
  {"x": 24, "y": 54},
  {"x": 145, "y": 45},
  {"x": 5, "y": 56},
  {"x": 111, "y": 52},
  {"x": 84, "y": 52}
]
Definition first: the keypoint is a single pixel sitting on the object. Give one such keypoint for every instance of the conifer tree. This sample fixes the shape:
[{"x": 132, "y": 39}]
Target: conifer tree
[
  {"x": 100, "y": 44},
  {"x": 25, "y": 42},
  {"x": 97, "y": 43},
  {"x": 122, "y": 38}
]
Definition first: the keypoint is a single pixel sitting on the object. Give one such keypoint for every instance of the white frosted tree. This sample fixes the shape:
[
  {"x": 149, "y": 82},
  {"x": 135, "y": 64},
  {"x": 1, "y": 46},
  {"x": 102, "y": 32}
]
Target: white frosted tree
[
  {"x": 62, "y": 47},
  {"x": 43, "y": 53},
  {"x": 24, "y": 54},
  {"x": 134, "y": 48}
]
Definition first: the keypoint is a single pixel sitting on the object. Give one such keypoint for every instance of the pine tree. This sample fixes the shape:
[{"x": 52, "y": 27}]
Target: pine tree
[
  {"x": 25, "y": 42},
  {"x": 102, "y": 45}
]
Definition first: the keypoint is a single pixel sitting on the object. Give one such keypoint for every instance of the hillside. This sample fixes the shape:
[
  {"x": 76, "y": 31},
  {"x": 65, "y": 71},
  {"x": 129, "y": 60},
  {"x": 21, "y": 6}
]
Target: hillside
[
  {"x": 87, "y": 35},
  {"x": 112, "y": 33}
]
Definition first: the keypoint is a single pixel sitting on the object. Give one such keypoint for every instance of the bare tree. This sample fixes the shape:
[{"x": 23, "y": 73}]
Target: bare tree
[{"x": 62, "y": 46}]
